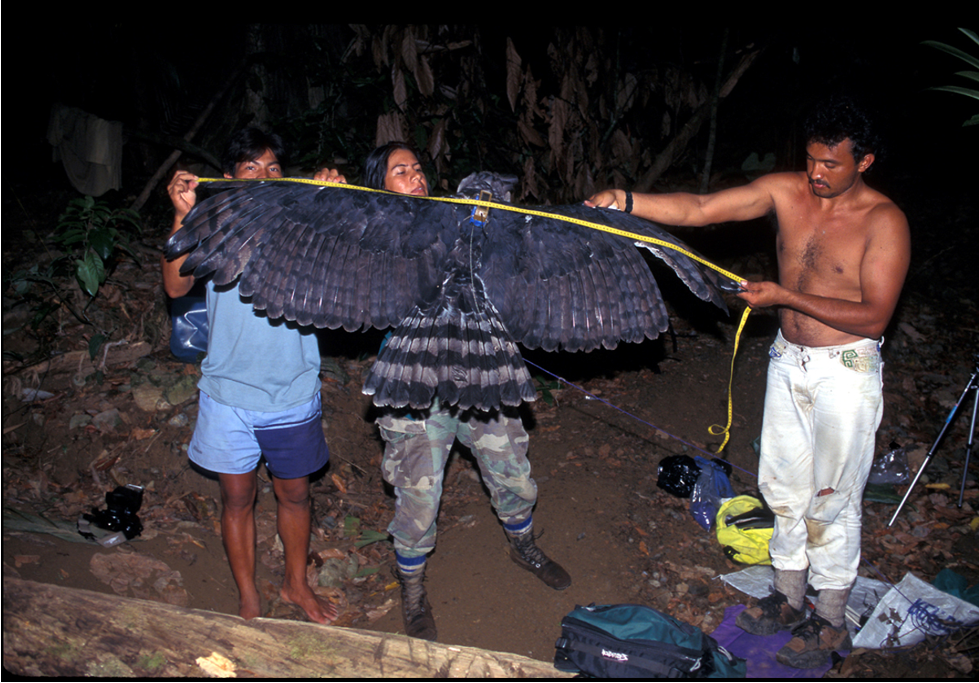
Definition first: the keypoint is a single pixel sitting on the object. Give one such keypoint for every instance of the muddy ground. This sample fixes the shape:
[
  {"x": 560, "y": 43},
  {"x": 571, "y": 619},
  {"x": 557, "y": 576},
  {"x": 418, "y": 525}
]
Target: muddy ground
[{"x": 93, "y": 427}]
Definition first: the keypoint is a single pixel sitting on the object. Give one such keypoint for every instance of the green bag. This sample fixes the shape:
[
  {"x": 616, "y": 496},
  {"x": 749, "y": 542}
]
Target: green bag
[
  {"x": 744, "y": 529},
  {"x": 635, "y": 641}
]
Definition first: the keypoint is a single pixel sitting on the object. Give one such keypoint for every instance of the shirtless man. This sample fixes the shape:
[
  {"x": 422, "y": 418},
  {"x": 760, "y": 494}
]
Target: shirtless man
[
  {"x": 843, "y": 253},
  {"x": 250, "y": 408}
]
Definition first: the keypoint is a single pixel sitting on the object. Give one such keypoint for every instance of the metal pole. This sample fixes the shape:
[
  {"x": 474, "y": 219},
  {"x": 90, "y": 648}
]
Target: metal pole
[
  {"x": 968, "y": 447},
  {"x": 931, "y": 451}
]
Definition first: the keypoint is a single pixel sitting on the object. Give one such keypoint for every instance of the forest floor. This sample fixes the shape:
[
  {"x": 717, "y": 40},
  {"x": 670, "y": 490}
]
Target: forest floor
[{"x": 90, "y": 427}]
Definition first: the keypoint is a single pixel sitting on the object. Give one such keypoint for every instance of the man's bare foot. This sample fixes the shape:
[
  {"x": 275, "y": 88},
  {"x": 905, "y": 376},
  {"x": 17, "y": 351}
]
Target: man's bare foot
[
  {"x": 249, "y": 606},
  {"x": 316, "y": 608}
]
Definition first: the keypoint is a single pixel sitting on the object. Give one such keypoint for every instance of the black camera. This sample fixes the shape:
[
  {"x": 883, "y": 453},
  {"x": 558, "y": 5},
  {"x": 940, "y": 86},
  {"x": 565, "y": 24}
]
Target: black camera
[{"x": 122, "y": 504}]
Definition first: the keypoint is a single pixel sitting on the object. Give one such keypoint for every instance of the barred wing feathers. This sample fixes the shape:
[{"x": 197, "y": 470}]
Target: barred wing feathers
[
  {"x": 705, "y": 282},
  {"x": 461, "y": 353}
]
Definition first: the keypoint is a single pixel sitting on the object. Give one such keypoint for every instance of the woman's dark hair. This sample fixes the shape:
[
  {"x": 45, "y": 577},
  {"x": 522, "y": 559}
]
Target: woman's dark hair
[
  {"x": 376, "y": 164},
  {"x": 249, "y": 144}
]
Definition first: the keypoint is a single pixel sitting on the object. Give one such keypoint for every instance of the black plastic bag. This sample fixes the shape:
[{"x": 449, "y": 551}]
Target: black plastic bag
[
  {"x": 677, "y": 475},
  {"x": 891, "y": 467}
]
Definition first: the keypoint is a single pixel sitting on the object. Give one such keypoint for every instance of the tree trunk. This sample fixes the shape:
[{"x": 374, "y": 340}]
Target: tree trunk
[
  {"x": 55, "y": 631},
  {"x": 172, "y": 159},
  {"x": 682, "y": 138}
]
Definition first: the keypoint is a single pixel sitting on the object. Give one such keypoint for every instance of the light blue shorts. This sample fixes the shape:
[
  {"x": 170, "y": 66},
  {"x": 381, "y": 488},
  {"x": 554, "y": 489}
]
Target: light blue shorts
[{"x": 231, "y": 440}]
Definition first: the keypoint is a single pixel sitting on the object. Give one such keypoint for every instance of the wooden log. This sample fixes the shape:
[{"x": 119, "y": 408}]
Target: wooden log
[{"x": 55, "y": 631}]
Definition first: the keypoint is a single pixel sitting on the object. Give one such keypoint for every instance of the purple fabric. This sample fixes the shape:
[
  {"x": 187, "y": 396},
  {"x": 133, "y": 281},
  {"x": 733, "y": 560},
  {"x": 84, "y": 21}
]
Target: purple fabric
[{"x": 759, "y": 651}]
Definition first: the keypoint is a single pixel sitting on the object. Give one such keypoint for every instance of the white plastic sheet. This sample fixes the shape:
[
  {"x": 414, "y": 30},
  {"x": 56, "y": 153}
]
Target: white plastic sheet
[{"x": 911, "y": 610}]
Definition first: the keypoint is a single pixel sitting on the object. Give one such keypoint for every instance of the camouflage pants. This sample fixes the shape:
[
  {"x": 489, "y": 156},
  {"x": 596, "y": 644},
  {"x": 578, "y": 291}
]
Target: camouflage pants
[{"x": 415, "y": 455}]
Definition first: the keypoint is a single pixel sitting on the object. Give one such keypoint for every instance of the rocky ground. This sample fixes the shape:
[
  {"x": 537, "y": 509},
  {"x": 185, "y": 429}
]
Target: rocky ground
[{"x": 75, "y": 427}]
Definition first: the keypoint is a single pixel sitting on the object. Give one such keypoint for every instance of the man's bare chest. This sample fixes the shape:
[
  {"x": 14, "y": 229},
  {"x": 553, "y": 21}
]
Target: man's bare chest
[{"x": 820, "y": 259}]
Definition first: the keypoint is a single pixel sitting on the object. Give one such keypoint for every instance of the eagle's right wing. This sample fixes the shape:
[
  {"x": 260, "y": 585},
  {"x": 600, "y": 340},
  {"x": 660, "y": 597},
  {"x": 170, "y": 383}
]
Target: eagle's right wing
[{"x": 328, "y": 256}]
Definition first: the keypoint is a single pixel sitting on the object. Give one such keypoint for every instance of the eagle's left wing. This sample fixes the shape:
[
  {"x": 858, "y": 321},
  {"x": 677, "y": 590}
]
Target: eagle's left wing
[{"x": 564, "y": 285}]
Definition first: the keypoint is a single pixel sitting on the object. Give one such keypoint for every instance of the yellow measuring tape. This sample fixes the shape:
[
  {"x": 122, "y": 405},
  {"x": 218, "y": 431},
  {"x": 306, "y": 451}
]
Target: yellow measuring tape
[
  {"x": 503, "y": 207},
  {"x": 567, "y": 219},
  {"x": 726, "y": 430}
]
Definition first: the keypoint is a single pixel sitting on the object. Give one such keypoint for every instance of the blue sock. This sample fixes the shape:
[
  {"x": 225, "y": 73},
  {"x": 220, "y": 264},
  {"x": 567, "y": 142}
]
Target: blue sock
[
  {"x": 520, "y": 528},
  {"x": 410, "y": 565}
]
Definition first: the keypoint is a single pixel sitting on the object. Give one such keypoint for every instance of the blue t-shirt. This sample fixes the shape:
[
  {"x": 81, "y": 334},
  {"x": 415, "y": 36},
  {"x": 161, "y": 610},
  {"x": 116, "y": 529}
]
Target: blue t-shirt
[{"x": 255, "y": 363}]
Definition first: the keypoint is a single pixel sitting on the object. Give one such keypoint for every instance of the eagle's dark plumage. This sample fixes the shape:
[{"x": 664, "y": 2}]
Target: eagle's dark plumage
[{"x": 459, "y": 295}]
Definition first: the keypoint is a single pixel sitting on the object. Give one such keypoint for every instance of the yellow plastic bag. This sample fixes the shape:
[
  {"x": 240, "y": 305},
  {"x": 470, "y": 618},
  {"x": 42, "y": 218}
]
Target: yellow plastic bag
[{"x": 744, "y": 542}]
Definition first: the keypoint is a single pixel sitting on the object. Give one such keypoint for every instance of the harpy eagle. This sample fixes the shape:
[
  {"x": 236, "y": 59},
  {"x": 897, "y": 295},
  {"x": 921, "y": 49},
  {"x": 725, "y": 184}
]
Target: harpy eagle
[{"x": 460, "y": 292}]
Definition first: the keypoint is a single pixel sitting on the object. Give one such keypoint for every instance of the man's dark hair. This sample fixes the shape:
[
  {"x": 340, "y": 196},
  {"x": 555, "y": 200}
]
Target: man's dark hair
[
  {"x": 376, "y": 164},
  {"x": 249, "y": 144},
  {"x": 838, "y": 117}
]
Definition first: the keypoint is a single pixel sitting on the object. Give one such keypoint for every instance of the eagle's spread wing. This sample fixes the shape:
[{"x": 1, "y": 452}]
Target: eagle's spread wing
[
  {"x": 459, "y": 294},
  {"x": 315, "y": 254},
  {"x": 562, "y": 285}
]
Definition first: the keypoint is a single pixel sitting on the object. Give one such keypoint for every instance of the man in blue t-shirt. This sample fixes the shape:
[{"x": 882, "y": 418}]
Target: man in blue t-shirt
[{"x": 250, "y": 408}]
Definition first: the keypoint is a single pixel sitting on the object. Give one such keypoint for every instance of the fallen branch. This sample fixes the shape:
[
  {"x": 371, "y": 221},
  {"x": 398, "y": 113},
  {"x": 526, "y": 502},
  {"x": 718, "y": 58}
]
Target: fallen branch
[
  {"x": 665, "y": 158},
  {"x": 172, "y": 159},
  {"x": 81, "y": 361}
]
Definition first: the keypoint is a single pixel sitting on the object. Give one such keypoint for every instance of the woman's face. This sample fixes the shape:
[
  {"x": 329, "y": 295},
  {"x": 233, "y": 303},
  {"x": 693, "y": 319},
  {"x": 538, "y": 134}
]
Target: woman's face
[{"x": 405, "y": 175}]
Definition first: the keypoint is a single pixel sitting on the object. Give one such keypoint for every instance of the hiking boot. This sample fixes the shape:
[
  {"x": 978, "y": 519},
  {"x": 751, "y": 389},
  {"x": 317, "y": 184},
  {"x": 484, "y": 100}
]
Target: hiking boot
[
  {"x": 415, "y": 609},
  {"x": 771, "y": 615},
  {"x": 524, "y": 551},
  {"x": 812, "y": 642}
]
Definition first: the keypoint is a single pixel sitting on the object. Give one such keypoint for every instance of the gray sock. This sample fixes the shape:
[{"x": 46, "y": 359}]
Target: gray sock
[
  {"x": 831, "y": 606},
  {"x": 792, "y": 584}
]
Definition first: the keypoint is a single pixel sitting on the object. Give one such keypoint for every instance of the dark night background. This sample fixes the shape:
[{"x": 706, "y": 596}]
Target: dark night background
[
  {"x": 156, "y": 79},
  {"x": 124, "y": 71}
]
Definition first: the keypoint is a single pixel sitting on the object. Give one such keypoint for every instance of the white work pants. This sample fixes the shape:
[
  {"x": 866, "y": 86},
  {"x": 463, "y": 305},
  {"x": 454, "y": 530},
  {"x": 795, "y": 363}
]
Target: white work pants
[{"x": 822, "y": 409}]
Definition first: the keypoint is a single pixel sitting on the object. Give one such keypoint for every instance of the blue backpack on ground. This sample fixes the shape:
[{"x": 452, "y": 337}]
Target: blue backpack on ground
[{"x": 635, "y": 641}]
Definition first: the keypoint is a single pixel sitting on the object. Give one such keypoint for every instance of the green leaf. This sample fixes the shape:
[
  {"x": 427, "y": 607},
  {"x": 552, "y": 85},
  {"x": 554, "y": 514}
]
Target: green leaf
[
  {"x": 960, "y": 91},
  {"x": 94, "y": 344},
  {"x": 131, "y": 217},
  {"x": 17, "y": 520},
  {"x": 42, "y": 312},
  {"x": 370, "y": 536},
  {"x": 82, "y": 204},
  {"x": 954, "y": 51},
  {"x": 90, "y": 273},
  {"x": 351, "y": 526},
  {"x": 972, "y": 35},
  {"x": 971, "y": 75},
  {"x": 71, "y": 236},
  {"x": 103, "y": 243}
]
